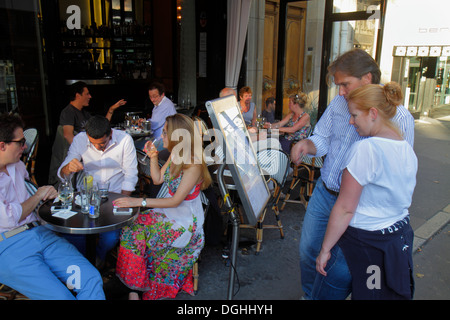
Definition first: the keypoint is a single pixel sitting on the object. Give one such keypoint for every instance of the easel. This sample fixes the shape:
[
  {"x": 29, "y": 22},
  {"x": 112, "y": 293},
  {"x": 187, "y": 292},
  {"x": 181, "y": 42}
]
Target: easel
[{"x": 234, "y": 218}]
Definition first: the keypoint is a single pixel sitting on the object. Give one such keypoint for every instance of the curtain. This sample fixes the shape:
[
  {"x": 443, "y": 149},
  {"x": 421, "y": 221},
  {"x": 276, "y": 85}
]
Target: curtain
[{"x": 238, "y": 16}]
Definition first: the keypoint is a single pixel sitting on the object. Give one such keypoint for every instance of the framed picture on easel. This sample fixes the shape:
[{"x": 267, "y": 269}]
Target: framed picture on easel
[{"x": 240, "y": 156}]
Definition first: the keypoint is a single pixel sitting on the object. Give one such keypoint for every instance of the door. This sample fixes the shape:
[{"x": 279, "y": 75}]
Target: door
[{"x": 291, "y": 65}]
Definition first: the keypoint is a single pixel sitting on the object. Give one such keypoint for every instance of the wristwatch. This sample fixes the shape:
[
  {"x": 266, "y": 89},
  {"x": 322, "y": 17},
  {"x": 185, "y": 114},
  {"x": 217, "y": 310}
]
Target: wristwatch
[{"x": 144, "y": 203}]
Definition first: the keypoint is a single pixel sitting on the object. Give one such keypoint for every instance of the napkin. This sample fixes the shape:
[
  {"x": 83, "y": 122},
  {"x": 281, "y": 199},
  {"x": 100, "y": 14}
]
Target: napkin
[{"x": 66, "y": 214}]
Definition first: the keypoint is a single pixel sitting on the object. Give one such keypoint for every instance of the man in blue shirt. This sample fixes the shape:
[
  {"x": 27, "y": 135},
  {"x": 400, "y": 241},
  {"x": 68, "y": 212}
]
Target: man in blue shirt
[
  {"x": 163, "y": 107},
  {"x": 333, "y": 137}
]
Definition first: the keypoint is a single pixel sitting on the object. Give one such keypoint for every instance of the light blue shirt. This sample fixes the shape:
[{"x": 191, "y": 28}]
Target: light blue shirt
[
  {"x": 159, "y": 114},
  {"x": 334, "y": 135}
]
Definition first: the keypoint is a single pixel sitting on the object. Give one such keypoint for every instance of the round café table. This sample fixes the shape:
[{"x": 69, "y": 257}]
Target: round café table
[{"x": 82, "y": 224}]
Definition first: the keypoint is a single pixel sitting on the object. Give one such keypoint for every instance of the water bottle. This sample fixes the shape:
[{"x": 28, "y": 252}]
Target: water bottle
[{"x": 94, "y": 205}]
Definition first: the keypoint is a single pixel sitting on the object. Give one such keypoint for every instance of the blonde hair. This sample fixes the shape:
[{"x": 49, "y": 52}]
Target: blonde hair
[
  {"x": 190, "y": 147},
  {"x": 300, "y": 99},
  {"x": 385, "y": 98}
]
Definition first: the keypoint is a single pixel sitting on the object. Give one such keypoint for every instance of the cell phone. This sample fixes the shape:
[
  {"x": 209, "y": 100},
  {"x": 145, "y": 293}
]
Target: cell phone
[
  {"x": 60, "y": 208},
  {"x": 122, "y": 211}
]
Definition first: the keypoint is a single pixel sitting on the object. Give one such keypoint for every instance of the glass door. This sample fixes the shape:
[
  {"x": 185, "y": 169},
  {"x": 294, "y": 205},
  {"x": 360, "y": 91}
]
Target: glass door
[
  {"x": 350, "y": 34},
  {"x": 348, "y": 24},
  {"x": 442, "y": 96}
]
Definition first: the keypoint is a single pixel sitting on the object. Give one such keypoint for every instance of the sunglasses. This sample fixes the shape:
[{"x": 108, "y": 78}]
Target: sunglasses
[{"x": 21, "y": 141}]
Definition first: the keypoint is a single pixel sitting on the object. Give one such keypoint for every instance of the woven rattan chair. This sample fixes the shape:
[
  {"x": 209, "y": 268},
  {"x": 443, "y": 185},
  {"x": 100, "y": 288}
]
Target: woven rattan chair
[
  {"x": 29, "y": 155},
  {"x": 274, "y": 164},
  {"x": 306, "y": 174}
]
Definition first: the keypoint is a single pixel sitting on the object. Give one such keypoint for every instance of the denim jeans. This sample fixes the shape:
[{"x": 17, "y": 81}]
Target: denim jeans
[{"x": 337, "y": 284}]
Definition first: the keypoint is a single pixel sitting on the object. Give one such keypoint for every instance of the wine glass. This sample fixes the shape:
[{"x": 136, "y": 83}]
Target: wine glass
[
  {"x": 65, "y": 192},
  {"x": 258, "y": 121},
  {"x": 142, "y": 160}
]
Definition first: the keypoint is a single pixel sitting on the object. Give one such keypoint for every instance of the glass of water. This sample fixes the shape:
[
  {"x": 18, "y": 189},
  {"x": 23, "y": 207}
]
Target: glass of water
[
  {"x": 65, "y": 192},
  {"x": 103, "y": 188}
]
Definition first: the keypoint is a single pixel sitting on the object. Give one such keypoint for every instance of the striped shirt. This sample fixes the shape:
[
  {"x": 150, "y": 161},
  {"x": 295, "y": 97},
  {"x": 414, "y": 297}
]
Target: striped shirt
[{"x": 334, "y": 135}]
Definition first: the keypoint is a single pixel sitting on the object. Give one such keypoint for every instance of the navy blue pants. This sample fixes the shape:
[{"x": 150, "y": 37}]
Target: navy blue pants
[{"x": 380, "y": 261}]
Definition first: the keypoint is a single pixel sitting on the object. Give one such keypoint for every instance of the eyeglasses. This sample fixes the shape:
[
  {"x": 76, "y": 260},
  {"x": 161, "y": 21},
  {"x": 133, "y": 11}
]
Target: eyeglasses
[{"x": 21, "y": 141}]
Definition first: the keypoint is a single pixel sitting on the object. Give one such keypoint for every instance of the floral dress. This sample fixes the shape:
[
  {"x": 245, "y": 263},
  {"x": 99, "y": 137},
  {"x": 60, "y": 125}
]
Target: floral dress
[
  {"x": 157, "y": 252},
  {"x": 297, "y": 135},
  {"x": 288, "y": 138}
]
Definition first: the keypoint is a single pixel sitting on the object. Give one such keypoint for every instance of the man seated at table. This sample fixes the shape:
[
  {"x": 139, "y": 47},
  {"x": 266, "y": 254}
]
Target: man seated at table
[
  {"x": 71, "y": 121},
  {"x": 108, "y": 155},
  {"x": 163, "y": 107},
  {"x": 74, "y": 116},
  {"x": 34, "y": 260}
]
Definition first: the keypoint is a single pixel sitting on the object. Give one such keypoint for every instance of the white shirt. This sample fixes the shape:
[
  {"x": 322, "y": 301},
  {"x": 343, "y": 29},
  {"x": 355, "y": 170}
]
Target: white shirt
[
  {"x": 334, "y": 135},
  {"x": 159, "y": 114},
  {"x": 387, "y": 171},
  {"x": 117, "y": 164}
]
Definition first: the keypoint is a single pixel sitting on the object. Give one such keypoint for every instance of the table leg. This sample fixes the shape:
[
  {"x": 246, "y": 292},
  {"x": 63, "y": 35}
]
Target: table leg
[{"x": 91, "y": 244}]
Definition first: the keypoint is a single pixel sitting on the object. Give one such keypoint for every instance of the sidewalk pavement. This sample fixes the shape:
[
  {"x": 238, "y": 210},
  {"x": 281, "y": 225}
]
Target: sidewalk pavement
[{"x": 430, "y": 210}]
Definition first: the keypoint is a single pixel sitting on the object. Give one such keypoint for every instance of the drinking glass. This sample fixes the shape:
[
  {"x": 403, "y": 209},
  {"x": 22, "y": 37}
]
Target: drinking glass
[
  {"x": 84, "y": 199},
  {"x": 65, "y": 192},
  {"x": 103, "y": 188}
]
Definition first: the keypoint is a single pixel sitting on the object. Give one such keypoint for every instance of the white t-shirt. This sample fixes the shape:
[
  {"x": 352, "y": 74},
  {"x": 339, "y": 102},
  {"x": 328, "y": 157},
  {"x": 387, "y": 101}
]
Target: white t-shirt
[{"x": 387, "y": 171}]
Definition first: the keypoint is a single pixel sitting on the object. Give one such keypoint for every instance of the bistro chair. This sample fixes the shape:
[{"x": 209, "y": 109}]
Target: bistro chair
[
  {"x": 203, "y": 128},
  {"x": 306, "y": 174},
  {"x": 60, "y": 148},
  {"x": 144, "y": 175},
  {"x": 275, "y": 165},
  {"x": 29, "y": 155},
  {"x": 201, "y": 125}
]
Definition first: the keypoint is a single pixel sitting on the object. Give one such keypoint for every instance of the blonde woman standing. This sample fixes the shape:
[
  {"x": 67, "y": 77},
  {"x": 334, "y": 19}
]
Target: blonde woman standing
[{"x": 370, "y": 219}]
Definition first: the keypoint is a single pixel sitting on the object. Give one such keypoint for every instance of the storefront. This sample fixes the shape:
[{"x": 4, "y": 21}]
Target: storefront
[{"x": 424, "y": 73}]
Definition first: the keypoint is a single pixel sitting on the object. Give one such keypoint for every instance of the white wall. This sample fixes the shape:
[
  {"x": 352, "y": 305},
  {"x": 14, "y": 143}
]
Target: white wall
[{"x": 413, "y": 22}]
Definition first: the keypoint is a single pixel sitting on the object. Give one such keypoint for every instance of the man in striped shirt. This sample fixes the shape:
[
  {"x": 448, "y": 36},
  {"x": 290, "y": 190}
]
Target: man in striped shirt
[{"x": 333, "y": 136}]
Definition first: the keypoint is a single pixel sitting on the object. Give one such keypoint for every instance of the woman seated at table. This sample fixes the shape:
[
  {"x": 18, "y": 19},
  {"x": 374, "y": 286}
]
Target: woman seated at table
[
  {"x": 294, "y": 125},
  {"x": 158, "y": 251}
]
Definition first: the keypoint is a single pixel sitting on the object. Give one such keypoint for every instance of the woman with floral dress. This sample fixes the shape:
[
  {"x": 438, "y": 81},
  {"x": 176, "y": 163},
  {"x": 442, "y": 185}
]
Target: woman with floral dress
[
  {"x": 157, "y": 252},
  {"x": 294, "y": 125}
]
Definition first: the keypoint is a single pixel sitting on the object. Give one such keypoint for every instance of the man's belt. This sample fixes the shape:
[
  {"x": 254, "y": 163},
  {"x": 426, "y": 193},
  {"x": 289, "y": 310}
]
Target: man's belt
[
  {"x": 333, "y": 193},
  {"x": 13, "y": 232}
]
